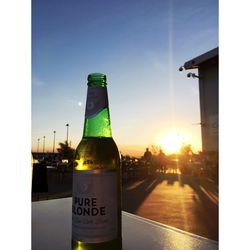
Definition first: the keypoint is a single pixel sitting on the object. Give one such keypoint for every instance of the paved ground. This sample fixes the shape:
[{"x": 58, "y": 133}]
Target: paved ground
[{"x": 177, "y": 200}]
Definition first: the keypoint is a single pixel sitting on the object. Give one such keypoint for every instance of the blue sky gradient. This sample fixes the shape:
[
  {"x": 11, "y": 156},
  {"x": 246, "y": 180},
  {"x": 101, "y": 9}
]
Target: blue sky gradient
[{"x": 140, "y": 45}]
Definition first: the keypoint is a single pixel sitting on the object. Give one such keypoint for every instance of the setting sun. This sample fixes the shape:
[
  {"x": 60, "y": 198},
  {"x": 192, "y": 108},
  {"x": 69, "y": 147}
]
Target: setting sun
[{"x": 171, "y": 143}]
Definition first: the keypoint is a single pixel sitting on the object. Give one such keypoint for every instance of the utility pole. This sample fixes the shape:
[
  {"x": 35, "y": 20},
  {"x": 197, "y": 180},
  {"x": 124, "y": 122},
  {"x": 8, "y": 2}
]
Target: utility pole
[
  {"x": 67, "y": 138},
  {"x": 43, "y": 144},
  {"x": 38, "y": 140},
  {"x": 54, "y": 141}
]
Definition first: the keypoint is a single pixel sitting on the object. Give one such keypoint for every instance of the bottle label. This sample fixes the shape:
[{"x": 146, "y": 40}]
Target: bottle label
[
  {"x": 97, "y": 100},
  {"x": 94, "y": 206}
]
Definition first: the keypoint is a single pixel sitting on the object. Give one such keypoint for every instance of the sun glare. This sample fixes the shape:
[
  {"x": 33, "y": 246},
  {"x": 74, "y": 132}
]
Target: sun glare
[{"x": 171, "y": 143}]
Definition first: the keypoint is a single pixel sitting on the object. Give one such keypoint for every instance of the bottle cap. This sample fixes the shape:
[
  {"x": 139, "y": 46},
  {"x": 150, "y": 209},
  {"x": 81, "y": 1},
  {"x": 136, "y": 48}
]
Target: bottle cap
[{"x": 97, "y": 79}]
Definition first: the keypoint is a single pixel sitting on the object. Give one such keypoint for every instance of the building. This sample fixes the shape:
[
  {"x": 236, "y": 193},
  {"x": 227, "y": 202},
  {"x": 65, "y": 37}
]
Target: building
[{"x": 207, "y": 65}]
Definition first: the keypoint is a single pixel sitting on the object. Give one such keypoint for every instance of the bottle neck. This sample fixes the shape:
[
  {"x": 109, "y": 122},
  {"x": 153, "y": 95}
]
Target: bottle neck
[{"x": 97, "y": 118}]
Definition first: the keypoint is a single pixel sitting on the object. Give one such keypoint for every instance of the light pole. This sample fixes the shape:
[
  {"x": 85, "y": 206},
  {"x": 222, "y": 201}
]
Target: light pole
[
  {"x": 43, "y": 143},
  {"x": 54, "y": 141},
  {"x": 67, "y": 125},
  {"x": 38, "y": 140}
]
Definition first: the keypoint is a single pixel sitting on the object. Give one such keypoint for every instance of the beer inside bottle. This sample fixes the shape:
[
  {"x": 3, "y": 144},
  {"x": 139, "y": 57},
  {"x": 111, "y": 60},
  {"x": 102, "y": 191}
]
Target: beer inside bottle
[{"x": 96, "y": 194}]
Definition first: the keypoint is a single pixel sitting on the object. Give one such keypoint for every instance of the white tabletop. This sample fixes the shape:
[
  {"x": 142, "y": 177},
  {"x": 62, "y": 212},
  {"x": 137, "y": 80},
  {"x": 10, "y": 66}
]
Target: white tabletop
[{"x": 51, "y": 230}]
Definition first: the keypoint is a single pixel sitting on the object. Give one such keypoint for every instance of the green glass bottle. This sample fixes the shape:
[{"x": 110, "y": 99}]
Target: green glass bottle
[{"x": 96, "y": 195}]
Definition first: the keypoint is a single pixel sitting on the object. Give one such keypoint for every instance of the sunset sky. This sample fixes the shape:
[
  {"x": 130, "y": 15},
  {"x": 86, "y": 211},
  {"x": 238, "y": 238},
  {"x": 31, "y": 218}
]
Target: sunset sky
[{"x": 140, "y": 45}]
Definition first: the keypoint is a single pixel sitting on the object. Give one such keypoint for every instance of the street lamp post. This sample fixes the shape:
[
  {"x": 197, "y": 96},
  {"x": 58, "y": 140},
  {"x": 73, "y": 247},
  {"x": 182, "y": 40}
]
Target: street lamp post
[
  {"x": 67, "y": 125},
  {"x": 38, "y": 140},
  {"x": 54, "y": 141},
  {"x": 43, "y": 144}
]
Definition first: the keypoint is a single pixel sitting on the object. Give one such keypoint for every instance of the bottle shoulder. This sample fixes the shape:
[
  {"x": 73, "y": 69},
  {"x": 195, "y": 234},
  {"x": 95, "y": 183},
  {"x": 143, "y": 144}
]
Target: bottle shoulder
[
  {"x": 97, "y": 142},
  {"x": 98, "y": 152}
]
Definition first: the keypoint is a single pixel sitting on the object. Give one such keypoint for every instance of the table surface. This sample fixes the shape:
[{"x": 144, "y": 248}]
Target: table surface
[{"x": 51, "y": 230}]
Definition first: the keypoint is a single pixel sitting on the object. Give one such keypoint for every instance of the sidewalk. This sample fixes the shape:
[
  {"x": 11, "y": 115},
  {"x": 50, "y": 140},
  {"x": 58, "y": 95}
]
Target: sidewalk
[{"x": 176, "y": 200}]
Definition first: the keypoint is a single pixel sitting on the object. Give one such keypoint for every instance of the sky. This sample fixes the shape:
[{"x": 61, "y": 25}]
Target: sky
[{"x": 140, "y": 46}]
